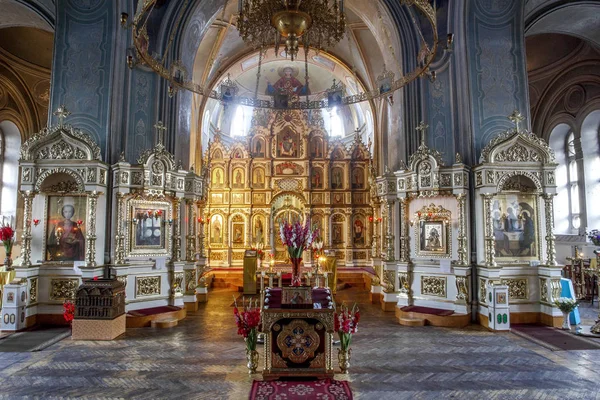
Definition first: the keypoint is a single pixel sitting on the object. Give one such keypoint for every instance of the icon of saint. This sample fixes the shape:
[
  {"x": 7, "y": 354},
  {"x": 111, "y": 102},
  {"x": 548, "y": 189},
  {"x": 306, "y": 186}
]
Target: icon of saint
[
  {"x": 287, "y": 83},
  {"x": 66, "y": 241},
  {"x": 287, "y": 146}
]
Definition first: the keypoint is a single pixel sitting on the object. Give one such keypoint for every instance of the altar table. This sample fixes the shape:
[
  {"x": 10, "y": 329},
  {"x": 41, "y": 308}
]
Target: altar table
[{"x": 298, "y": 341}]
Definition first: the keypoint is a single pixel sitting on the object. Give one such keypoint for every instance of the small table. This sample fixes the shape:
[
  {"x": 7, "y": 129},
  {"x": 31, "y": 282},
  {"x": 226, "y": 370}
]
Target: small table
[{"x": 298, "y": 341}]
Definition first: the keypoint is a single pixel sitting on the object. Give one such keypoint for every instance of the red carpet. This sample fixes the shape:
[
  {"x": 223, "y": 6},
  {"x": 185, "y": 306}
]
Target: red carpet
[
  {"x": 326, "y": 389},
  {"x": 427, "y": 310},
  {"x": 555, "y": 339},
  {"x": 152, "y": 311}
]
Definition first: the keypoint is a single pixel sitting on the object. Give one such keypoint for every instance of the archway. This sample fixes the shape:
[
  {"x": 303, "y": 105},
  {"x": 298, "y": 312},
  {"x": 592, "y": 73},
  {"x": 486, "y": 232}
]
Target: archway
[{"x": 286, "y": 207}]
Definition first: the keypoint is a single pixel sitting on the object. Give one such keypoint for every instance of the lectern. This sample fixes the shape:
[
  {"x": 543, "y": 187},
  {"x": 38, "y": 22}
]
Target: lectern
[{"x": 250, "y": 264}]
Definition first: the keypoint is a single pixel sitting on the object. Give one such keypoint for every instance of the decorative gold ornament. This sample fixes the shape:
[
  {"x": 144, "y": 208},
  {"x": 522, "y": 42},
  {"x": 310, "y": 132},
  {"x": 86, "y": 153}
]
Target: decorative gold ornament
[{"x": 316, "y": 23}]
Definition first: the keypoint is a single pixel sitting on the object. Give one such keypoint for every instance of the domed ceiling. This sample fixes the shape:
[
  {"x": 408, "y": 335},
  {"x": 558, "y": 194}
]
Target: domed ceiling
[
  {"x": 323, "y": 69},
  {"x": 356, "y": 60}
]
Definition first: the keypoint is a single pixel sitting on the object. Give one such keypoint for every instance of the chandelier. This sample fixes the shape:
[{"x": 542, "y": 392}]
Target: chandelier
[
  {"x": 316, "y": 23},
  {"x": 264, "y": 24}
]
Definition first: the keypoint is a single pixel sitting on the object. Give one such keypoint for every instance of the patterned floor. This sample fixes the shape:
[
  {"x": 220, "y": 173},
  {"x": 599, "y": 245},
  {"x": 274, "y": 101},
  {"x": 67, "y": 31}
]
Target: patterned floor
[{"x": 203, "y": 358}]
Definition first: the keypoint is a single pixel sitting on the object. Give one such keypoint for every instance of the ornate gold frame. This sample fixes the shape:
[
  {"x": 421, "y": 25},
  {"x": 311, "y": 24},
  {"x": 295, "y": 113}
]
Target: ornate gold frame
[
  {"x": 47, "y": 196},
  {"x": 439, "y": 215},
  {"x": 149, "y": 251}
]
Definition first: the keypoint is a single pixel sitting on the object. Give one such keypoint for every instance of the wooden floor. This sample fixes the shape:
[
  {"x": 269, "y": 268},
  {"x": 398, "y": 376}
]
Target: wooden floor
[{"x": 203, "y": 358}]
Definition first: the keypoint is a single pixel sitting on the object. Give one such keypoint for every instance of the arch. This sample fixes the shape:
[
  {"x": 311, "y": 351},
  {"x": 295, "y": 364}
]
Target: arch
[
  {"x": 509, "y": 175},
  {"x": 32, "y": 14},
  {"x": 296, "y": 195},
  {"x": 590, "y": 147},
  {"x": 46, "y": 174}
]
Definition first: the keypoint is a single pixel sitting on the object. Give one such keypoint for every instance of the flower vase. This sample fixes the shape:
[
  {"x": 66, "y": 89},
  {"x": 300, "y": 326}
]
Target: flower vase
[
  {"x": 296, "y": 277},
  {"x": 8, "y": 261},
  {"x": 566, "y": 324},
  {"x": 344, "y": 359},
  {"x": 252, "y": 357}
]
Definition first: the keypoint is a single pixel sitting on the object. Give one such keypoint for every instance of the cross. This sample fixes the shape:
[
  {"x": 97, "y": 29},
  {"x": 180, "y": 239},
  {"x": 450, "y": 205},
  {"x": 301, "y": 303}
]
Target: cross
[
  {"x": 62, "y": 113},
  {"x": 516, "y": 117},
  {"x": 423, "y": 129},
  {"x": 357, "y": 134},
  {"x": 160, "y": 131}
]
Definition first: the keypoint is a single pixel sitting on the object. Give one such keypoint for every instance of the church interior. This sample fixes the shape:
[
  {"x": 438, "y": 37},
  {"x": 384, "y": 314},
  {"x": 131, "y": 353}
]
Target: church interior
[{"x": 207, "y": 198}]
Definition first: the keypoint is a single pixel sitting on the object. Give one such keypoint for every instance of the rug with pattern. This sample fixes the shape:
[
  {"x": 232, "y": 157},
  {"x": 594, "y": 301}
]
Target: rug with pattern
[{"x": 326, "y": 389}]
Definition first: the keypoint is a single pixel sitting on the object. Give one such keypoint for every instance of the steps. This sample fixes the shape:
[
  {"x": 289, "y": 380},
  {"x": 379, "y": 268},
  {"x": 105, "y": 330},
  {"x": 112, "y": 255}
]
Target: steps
[
  {"x": 164, "y": 323},
  {"x": 411, "y": 321}
]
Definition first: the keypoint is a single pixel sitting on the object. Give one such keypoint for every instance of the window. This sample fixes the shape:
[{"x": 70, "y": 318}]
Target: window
[
  {"x": 336, "y": 124},
  {"x": 370, "y": 128},
  {"x": 10, "y": 143},
  {"x": 241, "y": 121},
  {"x": 573, "y": 182}
]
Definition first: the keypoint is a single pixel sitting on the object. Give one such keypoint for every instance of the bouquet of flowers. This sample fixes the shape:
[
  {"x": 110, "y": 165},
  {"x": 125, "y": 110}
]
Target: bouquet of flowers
[
  {"x": 346, "y": 324},
  {"x": 594, "y": 236},
  {"x": 297, "y": 237},
  {"x": 566, "y": 304},
  {"x": 247, "y": 322},
  {"x": 69, "y": 311},
  {"x": 7, "y": 234}
]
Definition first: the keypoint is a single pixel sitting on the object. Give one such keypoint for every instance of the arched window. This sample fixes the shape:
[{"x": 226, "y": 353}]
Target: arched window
[
  {"x": 336, "y": 124},
  {"x": 205, "y": 134},
  {"x": 572, "y": 181},
  {"x": 241, "y": 121},
  {"x": 370, "y": 127},
  {"x": 10, "y": 143}
]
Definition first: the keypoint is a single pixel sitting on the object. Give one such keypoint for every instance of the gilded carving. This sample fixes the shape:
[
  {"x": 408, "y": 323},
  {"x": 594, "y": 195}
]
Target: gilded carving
[
  {"x": 404, "y": 282},
  {"x": 544, "y": 290},
  {"x": 190, "y": 280},
  {"x": 462, "y": 288},
  {"x": 50, "y": 143},
  {"x": 555, "y": 289},
  {"x": 33, "y": 290},
  {"x": 63, "y": 289},
  {"x": 318, "y": 361},
  {"x": 137, "y": 178},
  {"x": 298, "y": 341},
  {"x": 122, "y": 279},
  {"x": 177, "y": 285},
  {"x": 62, "y": 187},
  {"x": 517, "y": 288},
  {"x": 389, "y": 284},
  {"x": 433, "y": 286},
  {"x": 482, "y": 291},
  {"x": 60, "y": 170},
  {"x": 147, "y": 286},
  {"x": 526, "y": 146},
  {"x": 478, "y": 179}
]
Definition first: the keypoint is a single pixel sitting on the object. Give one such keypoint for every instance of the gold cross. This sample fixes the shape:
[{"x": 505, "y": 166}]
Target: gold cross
[
  {"x": 516, "y": 117},
  {"x": 160, "y": 131},
  {"x": 62, "y": 113},
  {"x": 423, "y": 129}
]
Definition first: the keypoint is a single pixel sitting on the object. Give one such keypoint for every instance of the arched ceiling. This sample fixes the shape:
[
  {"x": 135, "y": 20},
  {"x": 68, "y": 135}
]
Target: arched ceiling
[
  {"x": 14, "y": 13},
  {"x": 18, "y": 42},
  {"x": 360, "y": 53},
  {"x": 547, "y": 49},
  {"x": 576, "y": 18}
]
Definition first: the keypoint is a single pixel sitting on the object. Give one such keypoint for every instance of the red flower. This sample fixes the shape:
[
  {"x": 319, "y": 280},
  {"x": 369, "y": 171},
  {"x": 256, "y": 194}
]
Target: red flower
[
  {"x": 69, "y": 311},
  {"x": 95, "y": 278}
]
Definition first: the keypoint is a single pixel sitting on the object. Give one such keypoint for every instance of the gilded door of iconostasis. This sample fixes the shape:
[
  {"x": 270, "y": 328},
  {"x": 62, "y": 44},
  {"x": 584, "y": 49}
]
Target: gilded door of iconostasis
[{"x": 285, "y": 209}]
